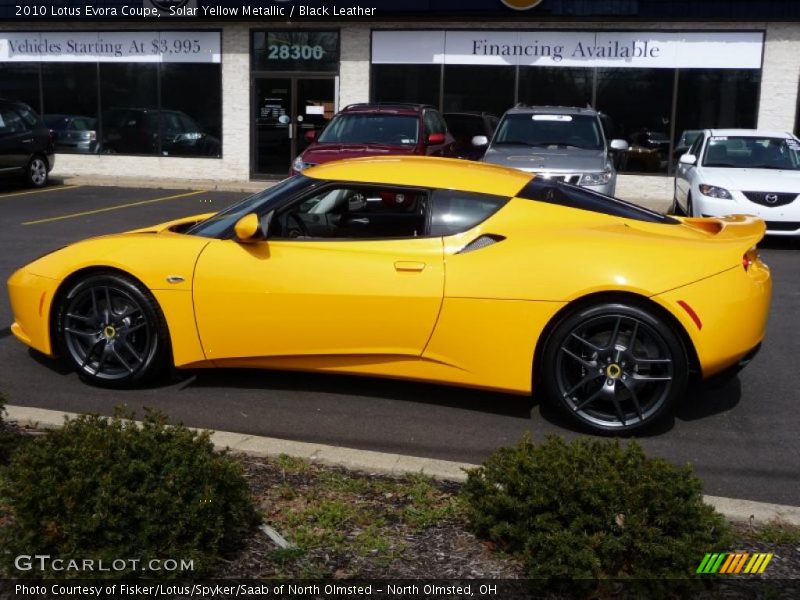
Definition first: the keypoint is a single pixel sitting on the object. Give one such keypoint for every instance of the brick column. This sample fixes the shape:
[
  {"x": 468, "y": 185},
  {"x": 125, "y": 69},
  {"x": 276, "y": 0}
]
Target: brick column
[{"x": 780, "y": 77}]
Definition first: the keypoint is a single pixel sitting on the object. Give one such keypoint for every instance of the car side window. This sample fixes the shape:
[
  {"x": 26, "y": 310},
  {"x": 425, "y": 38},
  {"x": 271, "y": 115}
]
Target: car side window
[
  {"x": 695, "y": 148},
  {"x": 453, "y": 211},
  {"x": 11, "y": 122},
  {"x": 434, "y": 123},
  {"x": 354, "y": 212},
  {"x": 29, "y": 119}
]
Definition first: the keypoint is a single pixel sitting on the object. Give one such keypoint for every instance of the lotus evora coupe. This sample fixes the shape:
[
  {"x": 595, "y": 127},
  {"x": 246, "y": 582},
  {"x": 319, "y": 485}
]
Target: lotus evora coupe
[{"x": 419, "y": 268}]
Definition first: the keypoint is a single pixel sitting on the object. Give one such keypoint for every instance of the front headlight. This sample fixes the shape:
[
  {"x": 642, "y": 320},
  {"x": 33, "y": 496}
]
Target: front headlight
[
  {"x": 715, "y": 192},
  {"x": 596, "y": 178}
]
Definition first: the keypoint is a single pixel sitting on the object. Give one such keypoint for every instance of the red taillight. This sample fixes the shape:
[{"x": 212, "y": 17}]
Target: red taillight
[{"x": 749, "y": 258}]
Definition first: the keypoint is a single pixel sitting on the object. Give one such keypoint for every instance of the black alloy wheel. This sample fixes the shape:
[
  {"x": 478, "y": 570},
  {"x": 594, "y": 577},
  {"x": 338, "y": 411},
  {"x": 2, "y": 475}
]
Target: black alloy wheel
[
  {"x": 112, "y": 332},
  {"x": 614, "y": 368}
]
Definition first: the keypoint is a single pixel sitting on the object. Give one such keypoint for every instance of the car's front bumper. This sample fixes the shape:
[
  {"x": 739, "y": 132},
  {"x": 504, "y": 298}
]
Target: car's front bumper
[
  {"x": 780, "y": 220},
  {"x": 31, "y": 298}
]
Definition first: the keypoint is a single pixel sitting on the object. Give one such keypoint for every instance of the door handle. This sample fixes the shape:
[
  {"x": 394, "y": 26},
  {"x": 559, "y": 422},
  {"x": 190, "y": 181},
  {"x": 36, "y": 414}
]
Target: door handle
[
  {"x": 27, "y": 141},
  {"x": 406, "y": 265},
  {"x": 360, "y": 221}
]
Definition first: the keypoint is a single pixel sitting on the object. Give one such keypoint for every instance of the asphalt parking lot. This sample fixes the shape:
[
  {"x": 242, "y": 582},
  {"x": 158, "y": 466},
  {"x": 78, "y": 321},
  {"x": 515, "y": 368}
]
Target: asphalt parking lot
[{"x": 742, "y": 438}]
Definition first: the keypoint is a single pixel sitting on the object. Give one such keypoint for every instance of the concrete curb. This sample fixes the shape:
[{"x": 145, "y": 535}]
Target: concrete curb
[
  {"x": 205, "y": 185},
  {"x": 392, "y": 464}
]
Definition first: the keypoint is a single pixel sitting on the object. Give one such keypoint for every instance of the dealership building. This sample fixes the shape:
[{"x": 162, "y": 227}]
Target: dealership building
[{"x": 208, "y": 95}]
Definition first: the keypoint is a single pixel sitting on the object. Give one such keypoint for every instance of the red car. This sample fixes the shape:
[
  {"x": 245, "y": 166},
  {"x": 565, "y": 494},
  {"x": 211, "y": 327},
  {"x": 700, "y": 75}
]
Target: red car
[{"x": 378, "y": 130}]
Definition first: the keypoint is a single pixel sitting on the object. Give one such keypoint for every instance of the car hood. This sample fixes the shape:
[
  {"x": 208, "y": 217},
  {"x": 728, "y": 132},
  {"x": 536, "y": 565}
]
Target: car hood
[
  {"x": 322, "y": 153},
  {"x": 570, "y": 160},
  {"x": 752, "y": 180}
]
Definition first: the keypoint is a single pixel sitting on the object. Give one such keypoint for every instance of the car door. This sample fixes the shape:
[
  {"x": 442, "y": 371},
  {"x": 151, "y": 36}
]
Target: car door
[
  {"x": 15, "y": 141},
  {"x": 346, "y": 270},
  {"x": 684, "y": 173}
]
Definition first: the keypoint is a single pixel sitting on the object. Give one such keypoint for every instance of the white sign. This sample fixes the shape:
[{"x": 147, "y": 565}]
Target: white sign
[
  {"x": 111, "y": 46},
  {"x": 634, "y": 49}
]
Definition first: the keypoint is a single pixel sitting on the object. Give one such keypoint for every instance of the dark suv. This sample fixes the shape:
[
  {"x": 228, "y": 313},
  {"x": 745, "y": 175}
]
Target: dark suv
[
  {"x": 378, "y": 130},
  {"x": 26, "y": 145}
]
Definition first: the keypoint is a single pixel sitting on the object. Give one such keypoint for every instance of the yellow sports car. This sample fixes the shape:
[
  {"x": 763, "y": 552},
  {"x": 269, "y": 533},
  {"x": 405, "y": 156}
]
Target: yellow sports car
[{"x": 419, "y": 268}]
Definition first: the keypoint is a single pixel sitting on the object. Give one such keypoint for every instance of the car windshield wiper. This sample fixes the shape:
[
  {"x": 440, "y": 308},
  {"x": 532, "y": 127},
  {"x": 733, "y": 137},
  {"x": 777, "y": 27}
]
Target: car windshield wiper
[
  {"x": 772, "y": 167},
  {"x": 514, "y": 143},
  {"x": 719, "y": 165}
]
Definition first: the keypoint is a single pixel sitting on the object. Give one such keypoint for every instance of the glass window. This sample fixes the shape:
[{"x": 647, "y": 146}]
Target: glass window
[
  {"x": 372, "y": 128},
  {"x": 548, "y": 129},
  {"x": 354, "y": 212},
  {"x": 191, "y": 104},
  {"x": 11, "y": 122},
  {"x": 296, "y": 51},
  {"x": 19, "y": 82},
  {"x": 465, "y": 126},
  {"x": 639, "y": 101},
  {"x": 454, "y": 211},
  {"x": 129, "y": 97},
  {"x": 745, "y": 152},
  {"x": 554, "y": 86},
  {"x": 406, "y": 83},
  {"x": 70, "y": 105},
  {"x": 717, "y": 98},
  {"x": 482, "y": 88},
  {"x": 434, "y": 123}
]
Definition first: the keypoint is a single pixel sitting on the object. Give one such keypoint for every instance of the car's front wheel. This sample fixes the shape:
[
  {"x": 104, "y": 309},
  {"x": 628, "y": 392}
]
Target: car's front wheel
[
  {"x": 614, "y": 367},
  {"x": 112, "y": 331},
  {"x": 36, "y": 172}
]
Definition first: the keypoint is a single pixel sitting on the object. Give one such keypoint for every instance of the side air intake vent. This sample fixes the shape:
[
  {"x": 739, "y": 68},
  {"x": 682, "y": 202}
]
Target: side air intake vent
[{"x": 481, "y": 242}]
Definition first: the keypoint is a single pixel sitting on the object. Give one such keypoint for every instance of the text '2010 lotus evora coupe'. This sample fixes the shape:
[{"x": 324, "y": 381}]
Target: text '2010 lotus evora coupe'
[{"x": 419, "y": 268}]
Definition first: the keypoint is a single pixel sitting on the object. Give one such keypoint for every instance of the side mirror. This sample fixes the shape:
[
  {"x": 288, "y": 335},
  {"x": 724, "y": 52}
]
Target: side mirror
[
  {"x": 479, "y": 141},
  {"x": 688, "y": 159},
  {"x": 248, "y": 229},
  {"x": 310, "y": 136},
  {"x": 436, "y": 139},
  {"x": 619, "y": 145}
]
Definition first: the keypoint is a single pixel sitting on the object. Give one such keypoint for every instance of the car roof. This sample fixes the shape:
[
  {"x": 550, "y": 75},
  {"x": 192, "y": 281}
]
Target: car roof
[
  {"x": 426, "y": 172},
  {"x": 401, "y": 108},
  {"x": 552, "y": 110},
  {"x": 749, "y": 133}
]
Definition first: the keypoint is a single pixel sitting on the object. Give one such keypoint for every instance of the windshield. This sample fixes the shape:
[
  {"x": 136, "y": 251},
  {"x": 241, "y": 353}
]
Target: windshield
[
  {"x": 544, "y": 130},
  {"x": 395, "y": 130},
  {"x": 752, "y": 153},
  {"x": 221, "y": 224}
]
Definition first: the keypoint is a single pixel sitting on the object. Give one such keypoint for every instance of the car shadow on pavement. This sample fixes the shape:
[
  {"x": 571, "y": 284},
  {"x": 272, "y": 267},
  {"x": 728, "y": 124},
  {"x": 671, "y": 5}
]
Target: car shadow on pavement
[
  {"x": 710, "y": 398},
  {"x": 368, "y": 387}
]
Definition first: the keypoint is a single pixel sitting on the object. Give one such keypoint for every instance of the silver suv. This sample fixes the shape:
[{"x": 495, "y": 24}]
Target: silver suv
[{"x": 556, "y": 142}]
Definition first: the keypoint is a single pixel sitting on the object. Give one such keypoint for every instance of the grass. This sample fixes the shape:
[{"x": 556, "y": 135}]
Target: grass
[
  {"x": 334, "y": 511},
  {"x": 778, "y": 532}
]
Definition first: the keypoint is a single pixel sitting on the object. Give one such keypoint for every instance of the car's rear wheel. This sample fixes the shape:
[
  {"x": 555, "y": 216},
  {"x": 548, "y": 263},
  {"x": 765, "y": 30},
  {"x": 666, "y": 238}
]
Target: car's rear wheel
[
  {"x": 112, "y": 331},
  {"x": 36, "y": 172},
  {"x": 689, "y": 206},
  {"x": 614, "y": 368}
]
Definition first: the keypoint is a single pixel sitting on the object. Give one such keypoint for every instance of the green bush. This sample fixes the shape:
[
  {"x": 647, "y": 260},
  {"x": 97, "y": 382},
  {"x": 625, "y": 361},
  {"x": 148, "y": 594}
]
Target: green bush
[
  {"x": 8, "y": 440},
  {"x": 593, "y": 510},
  {"x": 107, "y": 489}
]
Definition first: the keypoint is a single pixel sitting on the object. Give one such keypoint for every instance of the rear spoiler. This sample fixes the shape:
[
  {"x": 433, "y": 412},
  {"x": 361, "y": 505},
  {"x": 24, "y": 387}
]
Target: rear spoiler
[{"x": 731, "y": 228}]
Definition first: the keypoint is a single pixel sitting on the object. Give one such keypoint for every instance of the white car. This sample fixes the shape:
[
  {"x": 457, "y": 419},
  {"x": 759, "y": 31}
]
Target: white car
[{"x": 742, "y": 171}]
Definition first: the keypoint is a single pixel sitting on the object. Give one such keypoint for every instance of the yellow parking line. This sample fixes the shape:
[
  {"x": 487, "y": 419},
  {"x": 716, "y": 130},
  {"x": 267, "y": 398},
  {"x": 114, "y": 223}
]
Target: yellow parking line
[
  {"x": 116, "y": 207},
  {"x": 52, "y": 189}
]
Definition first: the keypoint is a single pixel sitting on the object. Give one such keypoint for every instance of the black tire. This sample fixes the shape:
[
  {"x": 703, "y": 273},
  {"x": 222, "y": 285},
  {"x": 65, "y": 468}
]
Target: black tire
[
  {"x": 36, "y": 173},
  {"x": 689, "y": 206},
  {"x": 676, "y": 209},
  {"x": 125, "y": 346},
  {"x": 601, "y": 381}
]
